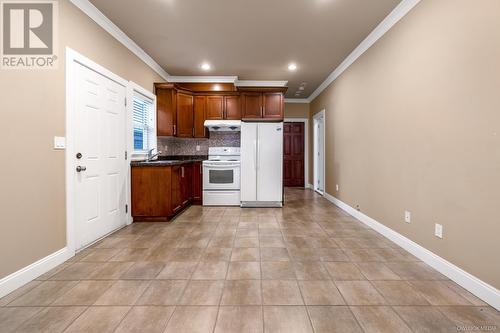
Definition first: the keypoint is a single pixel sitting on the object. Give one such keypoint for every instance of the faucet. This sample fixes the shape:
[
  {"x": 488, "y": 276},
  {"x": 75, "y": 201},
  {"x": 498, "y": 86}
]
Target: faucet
[{"x": 151, "y": 155}]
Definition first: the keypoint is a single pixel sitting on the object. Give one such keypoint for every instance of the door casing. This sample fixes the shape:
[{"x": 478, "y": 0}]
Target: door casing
[{"x": 319, "y": 118}]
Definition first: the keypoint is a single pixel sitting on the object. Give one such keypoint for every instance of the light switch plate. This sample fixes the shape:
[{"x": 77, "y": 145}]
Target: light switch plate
[
  {"x": 407, "y": 216},
  {"x": 438, "y": 230},
  {"x": 59, "y": 142}
]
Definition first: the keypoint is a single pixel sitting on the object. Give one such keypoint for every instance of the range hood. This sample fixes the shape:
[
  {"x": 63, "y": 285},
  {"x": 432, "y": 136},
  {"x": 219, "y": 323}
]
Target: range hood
[{"x": 223, "y": 125}]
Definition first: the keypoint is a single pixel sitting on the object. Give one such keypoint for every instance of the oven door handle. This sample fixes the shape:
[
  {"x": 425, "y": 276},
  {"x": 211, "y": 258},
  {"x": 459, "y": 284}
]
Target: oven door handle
[{"x": 221, "y": 166}]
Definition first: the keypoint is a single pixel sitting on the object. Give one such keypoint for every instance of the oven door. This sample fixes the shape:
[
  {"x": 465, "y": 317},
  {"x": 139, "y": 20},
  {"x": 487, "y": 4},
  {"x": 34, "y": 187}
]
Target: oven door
[{"x": 221, "y": 176}]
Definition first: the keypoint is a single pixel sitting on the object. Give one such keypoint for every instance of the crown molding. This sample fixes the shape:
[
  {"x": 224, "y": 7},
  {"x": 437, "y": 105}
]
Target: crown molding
[
  {"x": 297, "y": 100},
  {"x": 390, "y": 20},
  {"x": 202, "y": 79},
  {"x": 98, "y": 17},
  {"x": 260, "y": 83}
]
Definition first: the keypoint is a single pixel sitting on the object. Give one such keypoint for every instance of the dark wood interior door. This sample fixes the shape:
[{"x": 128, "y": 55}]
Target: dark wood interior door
[{"x": 293, "y": 154}]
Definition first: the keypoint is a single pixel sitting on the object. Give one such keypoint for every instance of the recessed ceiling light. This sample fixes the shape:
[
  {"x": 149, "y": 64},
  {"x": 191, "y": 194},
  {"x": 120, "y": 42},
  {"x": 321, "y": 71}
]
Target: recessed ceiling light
[
  {"x": 292, "y": 67},
  {"x": 205, "y": 66}
]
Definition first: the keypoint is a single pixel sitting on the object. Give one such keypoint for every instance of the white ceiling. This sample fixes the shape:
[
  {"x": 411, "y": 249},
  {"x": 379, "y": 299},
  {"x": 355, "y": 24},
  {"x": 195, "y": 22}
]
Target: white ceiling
[{"x": 252, "y": 39}]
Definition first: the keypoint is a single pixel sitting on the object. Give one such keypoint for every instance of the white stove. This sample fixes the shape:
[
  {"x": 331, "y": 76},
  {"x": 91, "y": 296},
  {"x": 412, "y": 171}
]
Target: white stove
[{"x": 221, "y": 177}]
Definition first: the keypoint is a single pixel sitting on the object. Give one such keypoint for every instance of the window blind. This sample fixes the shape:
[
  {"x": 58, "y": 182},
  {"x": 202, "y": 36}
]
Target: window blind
[{"x": 144, "y": 126}]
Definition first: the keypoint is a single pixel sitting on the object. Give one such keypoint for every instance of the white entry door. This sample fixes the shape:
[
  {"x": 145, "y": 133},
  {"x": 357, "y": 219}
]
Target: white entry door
[{"x": 99, "y": 155}]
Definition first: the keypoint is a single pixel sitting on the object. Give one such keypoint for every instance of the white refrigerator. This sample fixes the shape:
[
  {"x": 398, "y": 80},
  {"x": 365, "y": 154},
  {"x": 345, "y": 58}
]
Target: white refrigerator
[{"x": 261, "y": 164}]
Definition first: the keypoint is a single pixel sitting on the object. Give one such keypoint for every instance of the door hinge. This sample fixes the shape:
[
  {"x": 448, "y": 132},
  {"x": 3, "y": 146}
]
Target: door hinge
[
  {"x": 125, "y": 102},
  {"x": 126, "y": 154},
  {"x": 126, "y": 208}
]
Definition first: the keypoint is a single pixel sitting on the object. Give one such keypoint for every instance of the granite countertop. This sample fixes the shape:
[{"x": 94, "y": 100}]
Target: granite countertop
[{"x": 171, "y": 160}]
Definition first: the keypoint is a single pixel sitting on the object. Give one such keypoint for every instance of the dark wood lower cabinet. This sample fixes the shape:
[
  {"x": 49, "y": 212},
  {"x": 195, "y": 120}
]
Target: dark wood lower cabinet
[
  {"x": 175, "y": 186},
  {"x": 160, "y": 192},
  {"x": 197, "y": 182},
  {"x": 186, "y": 176}
]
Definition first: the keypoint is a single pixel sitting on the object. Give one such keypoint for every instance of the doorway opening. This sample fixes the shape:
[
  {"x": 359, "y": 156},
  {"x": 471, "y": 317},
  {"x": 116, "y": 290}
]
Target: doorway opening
[{"x": 319, "y": 152}]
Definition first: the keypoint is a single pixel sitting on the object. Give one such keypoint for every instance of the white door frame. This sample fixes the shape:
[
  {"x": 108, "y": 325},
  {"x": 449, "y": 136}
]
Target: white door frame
[
  {"x": 317, "y": 117},
  {"x": 306, "y": 145},
  {"x": 73, "y": 57}
]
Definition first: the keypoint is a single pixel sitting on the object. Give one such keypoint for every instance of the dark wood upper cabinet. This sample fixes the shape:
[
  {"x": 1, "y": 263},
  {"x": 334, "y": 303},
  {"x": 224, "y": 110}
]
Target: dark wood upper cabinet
[
  {"x": 200, "y": 115},
  {"x": 184, "y": 115},
  {"x": 232, "y": 109},
  {"x": 251, "y": 105},
  {"x": 215, "y": 107},
  {"x": 166, "y": 109},
  {"x": 272, "y": 105},
  {"x": 183, "y": 108}
]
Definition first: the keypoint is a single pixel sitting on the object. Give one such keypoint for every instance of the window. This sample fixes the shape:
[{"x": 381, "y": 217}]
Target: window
[{"x": 144, "y": 123}]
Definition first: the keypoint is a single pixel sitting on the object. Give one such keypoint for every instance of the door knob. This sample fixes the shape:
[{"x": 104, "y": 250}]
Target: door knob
[{"x": 80, "y": 168}]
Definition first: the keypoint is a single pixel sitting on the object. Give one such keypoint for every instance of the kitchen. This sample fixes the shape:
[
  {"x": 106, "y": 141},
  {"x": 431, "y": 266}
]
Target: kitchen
[
  {"x": 218, "y": 145},
  {"x": 250, "y": 166}
]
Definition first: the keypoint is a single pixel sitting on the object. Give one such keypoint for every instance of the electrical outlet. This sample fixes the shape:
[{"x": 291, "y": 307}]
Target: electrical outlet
[
  {"x": 337, "y": 187},
  {"x": 198, "y": 148},
  {"x": 407, "y": 216},
  {"x": 438, "y": 230}
]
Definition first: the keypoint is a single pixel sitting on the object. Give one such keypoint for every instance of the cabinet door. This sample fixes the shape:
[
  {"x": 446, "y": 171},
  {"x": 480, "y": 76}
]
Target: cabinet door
[
  {"x": 273, "y": 105},
  {"x": 166, "y": 114},
  {"x": 151, "y": 191},
  {"x": 197, "y": 183},
  {"x": 184, "y": 115},
  {"x": 176, "y": 189},
  {"x": 186, "y": 191},
  {"x": 200, "y": 103},
  {"x": 215, "y": 107},
  {"x": 232, "y": 108},
  {"x": 251, "y": 105}
]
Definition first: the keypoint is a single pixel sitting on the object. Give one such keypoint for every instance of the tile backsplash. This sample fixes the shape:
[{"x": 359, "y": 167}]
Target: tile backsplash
[{"x": 187, "y": 146}]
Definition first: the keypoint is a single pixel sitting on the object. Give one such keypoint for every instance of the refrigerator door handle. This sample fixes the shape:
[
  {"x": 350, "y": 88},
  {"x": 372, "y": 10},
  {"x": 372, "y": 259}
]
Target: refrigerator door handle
[{"x": 255, "y": 154}]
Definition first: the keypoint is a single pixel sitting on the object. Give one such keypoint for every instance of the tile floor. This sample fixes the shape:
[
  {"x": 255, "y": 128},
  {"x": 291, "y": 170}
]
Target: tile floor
[{"x": 308, "y": 267}]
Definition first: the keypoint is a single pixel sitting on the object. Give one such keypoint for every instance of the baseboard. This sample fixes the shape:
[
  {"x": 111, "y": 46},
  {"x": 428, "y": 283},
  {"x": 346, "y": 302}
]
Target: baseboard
[
  {"x": 481, "y": 289},
  {"x": 17, "y": 279},
  {"x": 309, "y": 186}
]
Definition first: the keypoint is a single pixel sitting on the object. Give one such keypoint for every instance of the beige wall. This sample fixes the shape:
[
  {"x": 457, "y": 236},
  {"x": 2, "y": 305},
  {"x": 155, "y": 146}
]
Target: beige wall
[
  {"x": 32, "y": 190},
  {"x": 415, "y": 124},
  {"x": 296, "y": 110}
]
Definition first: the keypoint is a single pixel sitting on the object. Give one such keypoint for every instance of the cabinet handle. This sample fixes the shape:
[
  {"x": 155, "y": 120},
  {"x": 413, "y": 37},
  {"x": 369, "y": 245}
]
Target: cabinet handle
[
  {"x": 182, "y": 172},
  {"x": 175, "y": 129}
]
